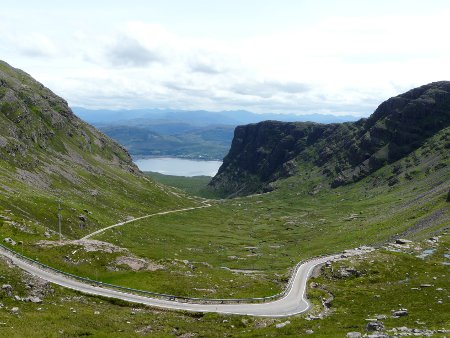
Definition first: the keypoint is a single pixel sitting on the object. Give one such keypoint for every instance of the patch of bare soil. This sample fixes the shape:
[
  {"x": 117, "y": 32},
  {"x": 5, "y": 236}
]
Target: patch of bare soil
[
  {"x": 137, "y": 264},
  {"x": 89, "y": 245}
]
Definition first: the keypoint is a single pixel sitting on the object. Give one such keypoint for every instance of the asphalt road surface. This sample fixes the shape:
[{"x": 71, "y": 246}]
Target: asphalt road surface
[{"x": 294, "y": 301}]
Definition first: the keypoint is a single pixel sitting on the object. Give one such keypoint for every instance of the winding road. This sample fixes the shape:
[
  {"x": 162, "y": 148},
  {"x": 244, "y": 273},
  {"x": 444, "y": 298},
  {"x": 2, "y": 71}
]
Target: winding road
[
  {"x": 205, "y": 205},
  {"x": 293, "y": 302}
]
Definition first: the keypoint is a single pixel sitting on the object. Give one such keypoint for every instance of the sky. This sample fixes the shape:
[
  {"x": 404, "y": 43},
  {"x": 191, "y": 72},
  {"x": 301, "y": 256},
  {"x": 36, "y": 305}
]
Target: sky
[{"x": 266, "y": 56}]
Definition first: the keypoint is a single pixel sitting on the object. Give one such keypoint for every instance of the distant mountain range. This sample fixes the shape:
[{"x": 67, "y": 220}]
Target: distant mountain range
[
  {"x": 197, "y": 117},
  {"x": 181, "y": 133}
]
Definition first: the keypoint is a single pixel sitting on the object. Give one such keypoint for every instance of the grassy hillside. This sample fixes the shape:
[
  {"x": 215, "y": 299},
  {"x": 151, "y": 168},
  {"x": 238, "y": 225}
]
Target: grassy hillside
[
  {"x": 242, "y": 247},
  {"x": 252, "y": 242},
  {"x": 380, "y": 283},
  {"x": 196, "y": 186},
  {"x": 47, "y": 154}
]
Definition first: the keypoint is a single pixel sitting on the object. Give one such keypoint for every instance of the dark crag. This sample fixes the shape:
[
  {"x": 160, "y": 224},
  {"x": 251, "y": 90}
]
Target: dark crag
[{"x": 265, "y": 152}]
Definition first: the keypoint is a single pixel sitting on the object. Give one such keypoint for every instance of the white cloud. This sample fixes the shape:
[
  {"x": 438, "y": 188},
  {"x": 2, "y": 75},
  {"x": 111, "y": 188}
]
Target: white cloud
[
  {"x": 337, "y": 65},
  {"x": 128, "y": 52},
  {"x": 33, "y": 44}
]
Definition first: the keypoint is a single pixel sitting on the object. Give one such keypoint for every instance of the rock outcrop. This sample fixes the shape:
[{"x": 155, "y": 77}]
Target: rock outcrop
[{"x": 265, "y": 152}]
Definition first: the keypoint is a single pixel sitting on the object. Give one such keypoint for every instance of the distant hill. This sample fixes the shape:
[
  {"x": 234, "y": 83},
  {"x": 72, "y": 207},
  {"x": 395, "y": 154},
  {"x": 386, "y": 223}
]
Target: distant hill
[
  {"x": 178, "y": 133},
  {"x": 184, "y": 141},
  {"x": 264, "y": 152},
  {"x": 48, "y": 154},
  {"x": 195, "y": 117}
]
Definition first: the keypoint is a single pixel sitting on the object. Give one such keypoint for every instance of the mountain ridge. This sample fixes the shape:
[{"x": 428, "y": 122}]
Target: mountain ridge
[
  {"x": 264, "y": 152},
  {"x": 47, "y": 154}
]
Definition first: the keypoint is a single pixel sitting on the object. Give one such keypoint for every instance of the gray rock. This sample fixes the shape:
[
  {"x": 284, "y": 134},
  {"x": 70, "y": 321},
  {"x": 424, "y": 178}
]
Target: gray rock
[
  {"x": 7, "y": 287},
  {"x": 83, "y": 218},
  {"x": 400, "y": 313},
  {"x": 354, "y": 335},
  {"x": 402, "y": 241},
  {"x": 309, "y": 331},
  {"x": 347, "y": 272},
  {"x": 15, "y": 310},
  {"x": 426, "y": 285},
  {"x": 375, "y": 326},
  {"x": 9, "y": 241},
  {"x": 33, "y": 299},
  {"x": 281, "y": 325}
]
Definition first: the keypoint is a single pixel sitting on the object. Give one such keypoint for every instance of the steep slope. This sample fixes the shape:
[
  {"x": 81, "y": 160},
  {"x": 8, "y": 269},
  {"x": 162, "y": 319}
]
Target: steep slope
[
  {"x": 262, "y": 153},
  {"x": 47, "y": 153}
]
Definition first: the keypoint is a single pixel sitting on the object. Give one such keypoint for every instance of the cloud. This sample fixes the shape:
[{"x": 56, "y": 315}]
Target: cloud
[
  {"x": 199, "y": 67},
  {"x": 129, "y": 52},
  {"x": 340, "y": 65},
  {"x": 34, "y": 45},
  {"x": 267, "y": 89}
]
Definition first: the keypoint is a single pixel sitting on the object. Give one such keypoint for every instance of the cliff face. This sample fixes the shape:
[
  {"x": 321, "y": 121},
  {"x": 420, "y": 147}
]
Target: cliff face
[{"x": 265, "y": 152}]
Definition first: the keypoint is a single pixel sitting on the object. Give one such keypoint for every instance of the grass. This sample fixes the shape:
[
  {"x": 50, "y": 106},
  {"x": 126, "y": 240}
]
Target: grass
[
  {"x": 266, "y": 233},
  {"x": 386, "y": 283},
  {"x": 280, "y": 228},
  {"x": 196, "y": 186}
]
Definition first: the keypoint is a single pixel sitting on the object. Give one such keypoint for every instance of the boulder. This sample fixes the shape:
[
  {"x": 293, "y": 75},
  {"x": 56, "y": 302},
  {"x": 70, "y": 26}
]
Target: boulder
[
  {"x": 33, "y": 299},
  {"x": 426, "y": 285},
  {"x": 402, "y": 241},
  {"x": 8, "y": 288},
  {"x": 347, "y": 272},
  {"x": 400, "y": 313},
  {"x": 9, "y": 241},
  {"x": 354, "y": 335},
  {"x": 375, "y": 326},
  {"x": 281, "y": 325}
]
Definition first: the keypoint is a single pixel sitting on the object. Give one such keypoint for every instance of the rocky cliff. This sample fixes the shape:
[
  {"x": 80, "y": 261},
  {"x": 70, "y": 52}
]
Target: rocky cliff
[{"x": 265, "y": 152}]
